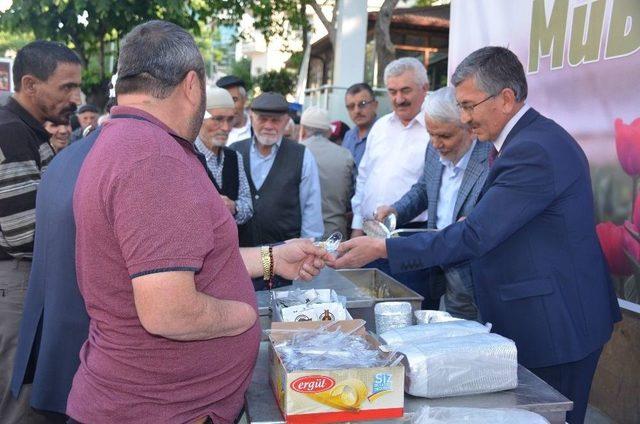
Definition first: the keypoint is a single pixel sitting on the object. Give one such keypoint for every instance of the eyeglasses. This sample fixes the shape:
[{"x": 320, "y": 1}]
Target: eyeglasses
[
  {"x": 469, "y": 108},
  {"x": 222, "y": 119},
  {"x": 359, "y": 105}
]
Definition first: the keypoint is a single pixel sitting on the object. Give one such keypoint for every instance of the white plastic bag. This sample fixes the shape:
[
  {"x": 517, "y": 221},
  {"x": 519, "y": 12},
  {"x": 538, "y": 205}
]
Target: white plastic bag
[
  {"x": 433, "y": 331},
  {"x": 438, "y": 415},
  {"x": 455, "y": 366}
]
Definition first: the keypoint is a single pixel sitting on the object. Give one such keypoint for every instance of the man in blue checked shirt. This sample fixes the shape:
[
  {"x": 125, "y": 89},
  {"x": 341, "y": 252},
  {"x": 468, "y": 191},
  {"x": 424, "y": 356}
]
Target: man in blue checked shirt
[{"x": 226, "y": 165}]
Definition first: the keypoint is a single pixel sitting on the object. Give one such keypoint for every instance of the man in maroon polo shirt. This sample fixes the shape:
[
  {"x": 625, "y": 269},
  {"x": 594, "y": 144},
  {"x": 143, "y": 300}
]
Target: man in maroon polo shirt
[{"x": 173, "y": 336}]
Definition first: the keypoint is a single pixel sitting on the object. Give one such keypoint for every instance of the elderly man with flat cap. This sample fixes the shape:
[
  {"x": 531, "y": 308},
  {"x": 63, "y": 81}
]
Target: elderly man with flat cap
[
  {"x": 283, "y": 177},
  {"x": 242, "y": 124},
  {"x": 225, "y": 164},
  {"x": 335, "y": 165}
]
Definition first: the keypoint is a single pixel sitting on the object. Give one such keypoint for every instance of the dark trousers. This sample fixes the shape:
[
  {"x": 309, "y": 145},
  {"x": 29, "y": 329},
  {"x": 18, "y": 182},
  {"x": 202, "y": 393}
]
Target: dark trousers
[
  {"x": 574, "y": 381},
  {"x": 14, "y": 276}
]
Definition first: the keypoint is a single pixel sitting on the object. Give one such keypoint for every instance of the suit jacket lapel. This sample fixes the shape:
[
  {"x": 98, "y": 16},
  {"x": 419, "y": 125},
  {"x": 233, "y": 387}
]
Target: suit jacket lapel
[
  {"x": 525, "y": 121},
  {"x": 471, "y": 175},
  {"x": 433, "y": 189}
]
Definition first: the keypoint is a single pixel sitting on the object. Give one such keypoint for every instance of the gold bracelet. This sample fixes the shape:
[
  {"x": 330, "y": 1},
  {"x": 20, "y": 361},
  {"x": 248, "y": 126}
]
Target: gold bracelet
[{"x": 267, "y": 262}]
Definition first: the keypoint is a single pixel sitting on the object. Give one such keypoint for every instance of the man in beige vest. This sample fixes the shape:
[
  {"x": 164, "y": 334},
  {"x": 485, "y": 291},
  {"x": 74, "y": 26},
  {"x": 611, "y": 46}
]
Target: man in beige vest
[{"x": 336, "y": 168}]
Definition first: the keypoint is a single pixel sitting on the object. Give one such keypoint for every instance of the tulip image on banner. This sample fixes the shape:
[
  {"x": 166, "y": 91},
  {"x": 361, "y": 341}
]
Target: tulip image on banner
[
  {"x": 612, "y": 238},
  {"x": 628, "y": 146}
]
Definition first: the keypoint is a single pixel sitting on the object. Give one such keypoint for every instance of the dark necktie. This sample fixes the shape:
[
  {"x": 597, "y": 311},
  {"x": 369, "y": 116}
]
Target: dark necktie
[{"x": 493, "y": 154}]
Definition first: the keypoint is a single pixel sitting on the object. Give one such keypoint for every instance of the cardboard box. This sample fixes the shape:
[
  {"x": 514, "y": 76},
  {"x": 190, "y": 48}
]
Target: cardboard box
[
  {"x": 334, "y": 395},
  {"x": 329, "y": 307}
]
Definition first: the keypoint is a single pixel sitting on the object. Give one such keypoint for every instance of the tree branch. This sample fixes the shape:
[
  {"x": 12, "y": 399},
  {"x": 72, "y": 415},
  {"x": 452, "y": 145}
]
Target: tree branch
[{"x": 330, "y": 26}]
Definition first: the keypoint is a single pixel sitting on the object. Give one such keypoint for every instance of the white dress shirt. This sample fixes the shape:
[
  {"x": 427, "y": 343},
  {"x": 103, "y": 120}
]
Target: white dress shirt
[
  {"x": 498, "y": 142},
  {"x": 393, "y": 161},
  {"x": 239, "y": 134},
  {"x": 449, "y": 186}
]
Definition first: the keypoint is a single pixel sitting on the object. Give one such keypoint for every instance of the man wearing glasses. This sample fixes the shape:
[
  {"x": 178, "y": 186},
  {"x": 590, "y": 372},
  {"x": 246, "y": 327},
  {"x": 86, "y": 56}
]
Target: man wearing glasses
[
  {"x": 538, "y": 270},
  {"x": 225, "y": 164},
  {"x": 362, "y": 107}
]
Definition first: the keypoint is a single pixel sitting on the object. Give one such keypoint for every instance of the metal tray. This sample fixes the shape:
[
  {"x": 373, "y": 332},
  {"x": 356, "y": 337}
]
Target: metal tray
[{"x": 363, "y": 288}]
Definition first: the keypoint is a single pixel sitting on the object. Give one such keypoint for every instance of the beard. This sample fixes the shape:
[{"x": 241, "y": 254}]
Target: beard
[
  {"x": 268, "y": 140},
  {"x": 195, "y": 121},
  {"x": 63, "y": 115}
]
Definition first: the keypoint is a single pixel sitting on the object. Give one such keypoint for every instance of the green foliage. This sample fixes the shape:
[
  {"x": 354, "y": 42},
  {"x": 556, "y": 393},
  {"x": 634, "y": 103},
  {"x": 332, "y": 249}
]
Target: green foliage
[
  {"x": 427, "y": 3},
  {"x": 279, "y": 81},
  {"x": 242, "y": 69},
  {"x": 93, "y": 28},
  {"x": 14, "y": 40}
]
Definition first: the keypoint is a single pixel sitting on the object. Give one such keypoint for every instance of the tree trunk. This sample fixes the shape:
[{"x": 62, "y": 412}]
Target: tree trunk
[{"x": 385, "y": 50}]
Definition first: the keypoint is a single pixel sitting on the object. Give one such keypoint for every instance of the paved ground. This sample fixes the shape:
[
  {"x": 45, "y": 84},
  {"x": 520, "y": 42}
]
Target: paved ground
[{"x": 595, "y": 416}]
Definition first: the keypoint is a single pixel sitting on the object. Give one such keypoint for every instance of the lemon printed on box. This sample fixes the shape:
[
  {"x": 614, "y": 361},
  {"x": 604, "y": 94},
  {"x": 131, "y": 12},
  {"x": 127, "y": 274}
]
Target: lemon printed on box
[{"x": 347, "y": 395}]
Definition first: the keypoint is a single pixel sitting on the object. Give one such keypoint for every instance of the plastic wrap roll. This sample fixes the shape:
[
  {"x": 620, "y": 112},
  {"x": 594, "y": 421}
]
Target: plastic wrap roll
[
  {"x": 442, "y": 415},
  {"x": 455, "y": 366},
  {"x": 437, "y": 330},
  {"x": 391, "y": 315}
]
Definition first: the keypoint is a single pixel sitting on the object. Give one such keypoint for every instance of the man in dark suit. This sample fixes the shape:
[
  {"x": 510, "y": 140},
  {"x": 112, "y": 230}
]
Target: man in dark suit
[
  {"x": 55, "y": 321},
  {"x": 455, "y": 170},
  {"x": 539, "y": 273}
]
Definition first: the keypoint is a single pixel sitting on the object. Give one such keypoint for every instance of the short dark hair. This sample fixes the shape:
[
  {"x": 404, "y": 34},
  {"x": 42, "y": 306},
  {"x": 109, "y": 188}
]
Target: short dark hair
[
  {"x": 155, "y": 57},
  {"x": 494, "y": 69},
  {"x": 361, "y": 86},
  {"x": 41, "y": 58}
]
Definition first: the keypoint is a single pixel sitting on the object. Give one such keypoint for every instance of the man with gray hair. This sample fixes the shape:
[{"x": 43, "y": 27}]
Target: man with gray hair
[
  {"x": 167, "y": 290},
  {"x": 335, "y": 166},
  {"x": 394, "y": 157},
  {"x": 391, "y": 164},
  {"x": 455, "y": 169},
  {"x": 539, "y": 274}
]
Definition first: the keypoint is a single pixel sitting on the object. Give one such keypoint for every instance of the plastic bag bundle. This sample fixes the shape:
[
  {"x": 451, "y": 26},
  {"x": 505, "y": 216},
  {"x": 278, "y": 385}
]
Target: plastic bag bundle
[
  {"x": 428, "y": 317},
  {"x": 298, "y": 297},
  {"x": 325, "y": 349},
  {"x": 441, "y": 415},
  {"x": 437, "y": 330},
  {"x": 455, "y": 366}
]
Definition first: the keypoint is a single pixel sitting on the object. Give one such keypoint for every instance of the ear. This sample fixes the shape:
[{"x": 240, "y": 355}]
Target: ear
[
  {"x": 191, "y": 87},
  {"x": 28, "y": 84},
  {"x": 508, "y": 98}
]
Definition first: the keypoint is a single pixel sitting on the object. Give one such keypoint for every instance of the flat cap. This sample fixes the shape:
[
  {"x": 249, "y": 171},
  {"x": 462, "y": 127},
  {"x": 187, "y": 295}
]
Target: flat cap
[
  {"x": 217, "y": 98},
  {"x": 270, "y": 102},
  {"x": 88, "y": 108},
  {"x": 316, "y": 117},
  {"x": 230, "y": 81}
]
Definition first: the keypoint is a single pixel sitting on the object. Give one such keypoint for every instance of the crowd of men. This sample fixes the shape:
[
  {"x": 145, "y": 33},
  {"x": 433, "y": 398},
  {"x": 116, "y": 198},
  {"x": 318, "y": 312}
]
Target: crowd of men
[{"x": 157, "y": 223}]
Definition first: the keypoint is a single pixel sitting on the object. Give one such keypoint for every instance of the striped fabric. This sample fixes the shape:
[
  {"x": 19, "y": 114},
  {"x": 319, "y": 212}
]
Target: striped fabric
[{"x": 24, "y": 154}]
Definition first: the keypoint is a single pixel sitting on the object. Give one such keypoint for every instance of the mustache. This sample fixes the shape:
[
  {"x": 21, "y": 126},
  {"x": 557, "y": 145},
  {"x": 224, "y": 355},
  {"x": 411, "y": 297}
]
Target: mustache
[{"x": 403, "y": 103}]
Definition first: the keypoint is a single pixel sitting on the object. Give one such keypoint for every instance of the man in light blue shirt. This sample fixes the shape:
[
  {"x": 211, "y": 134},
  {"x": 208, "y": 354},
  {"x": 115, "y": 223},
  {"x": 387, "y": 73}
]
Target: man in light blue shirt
[
  {"x": 456, "y": 167},
  {"x": 283, "y": 178},
  {"x": 362, "y": 107}
]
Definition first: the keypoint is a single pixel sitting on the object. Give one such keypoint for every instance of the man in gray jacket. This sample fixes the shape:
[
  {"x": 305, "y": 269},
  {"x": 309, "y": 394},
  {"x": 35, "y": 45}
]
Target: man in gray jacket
[
  {"x": 335, "y": 165},
  {"x": 456, "y": 167}
]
